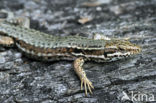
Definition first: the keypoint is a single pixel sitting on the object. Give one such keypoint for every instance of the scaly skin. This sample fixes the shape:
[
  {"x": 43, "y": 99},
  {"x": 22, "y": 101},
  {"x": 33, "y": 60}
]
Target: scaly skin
[{"x": 46, "y": 47}]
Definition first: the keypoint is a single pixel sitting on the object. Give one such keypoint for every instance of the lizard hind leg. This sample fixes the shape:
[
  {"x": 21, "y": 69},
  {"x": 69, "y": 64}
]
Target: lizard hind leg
[
  {"x": 4, "y": 14},
  {"x": 78, "y": 63},
  {"x": 20, "y": 21},
  {"x": 6, "y": 41},
  {"x": 7, "y": 16}
]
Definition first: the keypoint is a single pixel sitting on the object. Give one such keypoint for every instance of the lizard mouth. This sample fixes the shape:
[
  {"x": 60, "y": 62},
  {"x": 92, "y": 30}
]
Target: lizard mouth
[
  {"x": 131, "y": 49},
  {"x": 122, "y": 49}
]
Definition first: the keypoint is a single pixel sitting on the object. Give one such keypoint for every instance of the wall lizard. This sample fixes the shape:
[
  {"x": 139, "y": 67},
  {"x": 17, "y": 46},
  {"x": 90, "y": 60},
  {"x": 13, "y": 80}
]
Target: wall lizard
[{"x": 42, "y": 46}]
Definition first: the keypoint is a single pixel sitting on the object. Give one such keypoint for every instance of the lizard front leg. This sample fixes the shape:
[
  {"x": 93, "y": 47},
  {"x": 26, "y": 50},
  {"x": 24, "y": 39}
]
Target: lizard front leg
[
  {"x": 97, "y": 36},
  {"x": 78, "y": 63}
]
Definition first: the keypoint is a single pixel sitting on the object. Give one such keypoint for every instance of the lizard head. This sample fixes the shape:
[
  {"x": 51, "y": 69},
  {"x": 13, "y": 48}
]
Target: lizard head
[{"x": 120, "y": 48}]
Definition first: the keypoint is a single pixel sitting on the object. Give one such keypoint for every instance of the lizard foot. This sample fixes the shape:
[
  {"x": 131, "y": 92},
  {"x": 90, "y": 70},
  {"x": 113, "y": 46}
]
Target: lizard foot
[
  {"x": 87, "y": 84},
  {"x": 78, "y": 63}
]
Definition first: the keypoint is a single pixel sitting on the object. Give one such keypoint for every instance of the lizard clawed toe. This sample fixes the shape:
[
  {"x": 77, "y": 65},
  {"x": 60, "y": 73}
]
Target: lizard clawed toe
[
  {"x": 87, "y": 84},
  {"x": 78, "y": 63}
]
